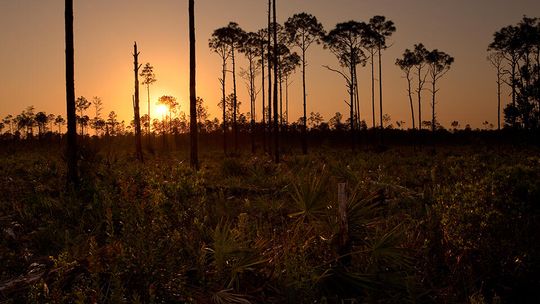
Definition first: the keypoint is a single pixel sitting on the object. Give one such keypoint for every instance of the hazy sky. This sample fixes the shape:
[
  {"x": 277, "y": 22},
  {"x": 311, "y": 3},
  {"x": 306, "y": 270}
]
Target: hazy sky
[{"x": 32, "y": 52}]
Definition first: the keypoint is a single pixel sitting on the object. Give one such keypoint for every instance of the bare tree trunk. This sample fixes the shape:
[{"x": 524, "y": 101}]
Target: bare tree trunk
[
  {"x": 280, "y": 75},
  {"x": 263, "y": 97},
  {"x": 287, "y": 101},
  {"x": 224, "y": 71},
  {"x": 380, "y": 91},
  {"x": 373, "y": 86},
  {"x": 304, "y": 126},
  {"x": 149, "y": 119},
  {"x": 351, "y": 96},
  {"x": 276, "y": 127},
  {"x": 269, "y": 46},
  {"x": 194, "y": 144},
  {"x": 235, "y": 124},
  {"x": 419, "y": 95},
  {"x": 433, "y": 106},
  {"x": 410, "y": 98},
  {"x": 252, "y": 105},
  {"x": 357, "y": 97},
  {"x": 72, "y": 173},
  {"x": 137, "y": 118},
  {"x": 498, "y": 98}
]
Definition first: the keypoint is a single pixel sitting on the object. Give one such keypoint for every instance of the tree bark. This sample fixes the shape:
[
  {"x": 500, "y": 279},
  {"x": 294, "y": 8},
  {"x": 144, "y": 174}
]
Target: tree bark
[
  {"x": 136, "y": 110},
  {"x": 373, "y": 87},
  {"x": 276, "y": 126},
  {"x": 269, "y": 46},
  {"x": 72, "y": 173},
  {"x": 263, "y": 120},
  {"x": 224, "y": 75},
  {"x": 235, "y": 124},
  {"x": 194, "y": 160},
  {"x": 419, "y": 95},
  {"x": 380, "y": 90},
  {"x": 433, "y": 105},
  {"x": 304, "y": 126},
  {"x": 410, "y": 98},
  {"x": 252, "y": 105}
]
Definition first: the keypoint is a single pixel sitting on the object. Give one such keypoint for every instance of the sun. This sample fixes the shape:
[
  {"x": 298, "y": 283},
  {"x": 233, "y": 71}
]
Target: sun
[{"x": 161, "y": 110}]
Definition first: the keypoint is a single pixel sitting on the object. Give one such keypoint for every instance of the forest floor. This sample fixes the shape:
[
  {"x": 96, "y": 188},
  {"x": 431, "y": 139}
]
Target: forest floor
[{"x": 455, "y": 224}]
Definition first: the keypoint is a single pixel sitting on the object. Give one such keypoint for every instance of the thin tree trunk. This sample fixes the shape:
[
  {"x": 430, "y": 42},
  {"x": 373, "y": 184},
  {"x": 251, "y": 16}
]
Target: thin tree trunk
[
  {"x": 263, "y": 97},
  {"x": 380, "y": 90},
  {"x": 269, "y": 46},
  {"x": 276, "y": 127},
  {"x": 373, "y": 86},
  {"x": 235, "y": 124},
  {"x": 252, "y": 105},
  {"x": 287, "y": 101},
  {"x": 433, "y": 106},
  {"x": 498, "y": 98},
  {"x": 224, "y": 75},
  {"x": 419, "y": 94},
  {"x": 357, "y": 97},
  {"x": 304, "y": 126},
  {"x": 72, "y": 172},
  {"x": 194, "y": 160},
  {"x": 351, "y": 95},
  {"x": 149, "y": 120},
  {"x": 136, "y": 110},
  {"x": 410, "y": 98},
  {"x": 280, "y": 96}
]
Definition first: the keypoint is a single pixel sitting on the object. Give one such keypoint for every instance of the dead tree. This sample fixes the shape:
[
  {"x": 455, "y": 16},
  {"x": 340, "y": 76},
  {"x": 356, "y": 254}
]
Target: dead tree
[{"x": 138, "y": 144}]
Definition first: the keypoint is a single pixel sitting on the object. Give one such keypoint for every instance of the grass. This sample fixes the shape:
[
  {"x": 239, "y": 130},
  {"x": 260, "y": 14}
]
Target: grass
[{"x": 454, "y": 226}]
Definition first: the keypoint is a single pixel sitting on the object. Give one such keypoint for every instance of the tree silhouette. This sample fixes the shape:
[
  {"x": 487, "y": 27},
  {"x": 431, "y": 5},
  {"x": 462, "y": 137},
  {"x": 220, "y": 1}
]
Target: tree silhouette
[
  {"x": 41, "y": 120},
  {"x": 263, "y": 38},
  {"x": 304, "y": 30},
  {"x": 147, "y": 73},
  {"x": 8, "y": 121},
  {"x": 233, "y": 36},
  {"x": 369, "y": 41},
  {"x": 72, "y": 174},
  {"x": 112, "y": 123},
  {"x": 229, "y": 106},
  {"x": 194, "y": 160},
  {"x": 288, "y": 65},
  {"x": 251, "y": 49},
  {"x": 406, "y": 64},
  {"x": 519, "y": 45},
  {"x": 507, "y": 40},
  {"x": 136, "y": 102},
  {"x": 382, "y": 29},
  {"x": 439, "y": 64},
  {"x": 420, "y": 54},
  {"x": 275, "y": 62},
  {"x": 345, "y": 42},
  {"x": 26, "y": 120},
  {"x": 98, "y": 107},
  {"x": 82, "y": 104},
  {"x": 170, "y": 103},
  {"x": 220, "y": 46},
  {"x": 59, "y": 121},
  {"x": 496, "y": 59}
]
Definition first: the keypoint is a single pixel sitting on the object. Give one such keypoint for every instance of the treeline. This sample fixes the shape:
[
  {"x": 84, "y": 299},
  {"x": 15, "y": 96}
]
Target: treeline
[{"x": 29, "y": 123}]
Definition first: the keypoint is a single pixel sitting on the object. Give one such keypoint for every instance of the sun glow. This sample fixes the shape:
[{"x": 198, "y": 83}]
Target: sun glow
[{"x": 161, "y": 110}]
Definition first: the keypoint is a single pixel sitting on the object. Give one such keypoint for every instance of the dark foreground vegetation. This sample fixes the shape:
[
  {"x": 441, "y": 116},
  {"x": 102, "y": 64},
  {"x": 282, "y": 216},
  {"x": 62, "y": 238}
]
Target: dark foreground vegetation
[{"x": 433, "y": 224}]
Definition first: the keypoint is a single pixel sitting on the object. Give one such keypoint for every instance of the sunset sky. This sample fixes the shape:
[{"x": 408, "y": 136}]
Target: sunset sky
[{"x": 32, "y": 52}]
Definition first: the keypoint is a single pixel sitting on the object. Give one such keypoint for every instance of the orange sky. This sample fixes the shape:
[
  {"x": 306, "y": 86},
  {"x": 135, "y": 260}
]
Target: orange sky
[{"x": 32, "y": 52}]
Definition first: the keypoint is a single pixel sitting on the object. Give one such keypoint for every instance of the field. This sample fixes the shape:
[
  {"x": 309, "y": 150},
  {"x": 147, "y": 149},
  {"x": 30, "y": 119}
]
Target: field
[{"x": 455, "y": 224}]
